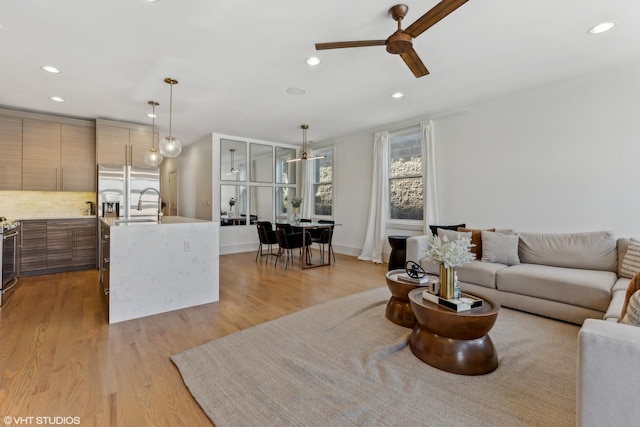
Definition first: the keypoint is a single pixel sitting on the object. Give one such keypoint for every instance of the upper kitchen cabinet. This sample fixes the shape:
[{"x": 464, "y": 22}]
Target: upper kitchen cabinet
[
  {"x": 58, "y": 156},
  {"x": 78, "y": 158},
  {"x": 11, "y": 149},
  {"x": 120, "y": 143}
]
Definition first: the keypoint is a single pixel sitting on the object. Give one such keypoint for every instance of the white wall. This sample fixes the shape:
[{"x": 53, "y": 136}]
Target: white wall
[{"x": 562, "y": 158}]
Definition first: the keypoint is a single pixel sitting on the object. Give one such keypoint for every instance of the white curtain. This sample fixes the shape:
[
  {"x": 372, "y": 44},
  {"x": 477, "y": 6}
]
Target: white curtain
[
  {"x": 378, "y": 208},
  {"x": 306, "y": 189},
  {"x": 429, "y": 175}
]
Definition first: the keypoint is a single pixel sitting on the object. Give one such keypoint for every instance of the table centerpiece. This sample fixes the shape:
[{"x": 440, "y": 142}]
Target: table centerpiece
[{"x": 449, "y": 254}]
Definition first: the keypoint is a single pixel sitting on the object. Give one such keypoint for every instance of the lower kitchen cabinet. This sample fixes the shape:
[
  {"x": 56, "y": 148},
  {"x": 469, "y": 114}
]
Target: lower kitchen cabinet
[
  {"x": 33, "y": 247},
  {"x": 56, "y": 245}
]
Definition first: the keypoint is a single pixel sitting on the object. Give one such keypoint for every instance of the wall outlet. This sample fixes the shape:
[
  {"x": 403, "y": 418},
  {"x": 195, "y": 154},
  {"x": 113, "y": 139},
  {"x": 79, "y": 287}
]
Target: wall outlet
[{"x": 187, "y": 245}]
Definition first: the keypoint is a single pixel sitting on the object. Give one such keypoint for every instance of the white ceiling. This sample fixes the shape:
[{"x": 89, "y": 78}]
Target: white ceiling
[{"x": 235, "y": 60}]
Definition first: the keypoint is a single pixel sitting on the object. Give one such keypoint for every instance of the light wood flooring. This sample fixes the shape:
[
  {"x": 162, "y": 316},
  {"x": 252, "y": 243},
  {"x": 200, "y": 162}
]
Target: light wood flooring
[{"x": 60, "y": 358}]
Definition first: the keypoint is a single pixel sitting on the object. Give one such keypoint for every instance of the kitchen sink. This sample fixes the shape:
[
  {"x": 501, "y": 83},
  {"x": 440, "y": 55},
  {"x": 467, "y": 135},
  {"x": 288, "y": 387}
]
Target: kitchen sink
[{"x": 136, "y": 221}]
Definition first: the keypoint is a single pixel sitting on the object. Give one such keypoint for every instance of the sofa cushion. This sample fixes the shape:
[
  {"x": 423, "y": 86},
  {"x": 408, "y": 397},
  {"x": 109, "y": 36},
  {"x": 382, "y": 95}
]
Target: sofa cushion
[
  {"x": 632, "y": 315},
  {"x": 476, "y": 240},
  {"x": 452, "y": 234},
  {"x": 583, "y": 288},
  {"x": 434, "y": 228},
  {"x": 500, "y": 248},
  {"x": 479, "y": 273},
  {"x": 591, "y": 251},
  {"x": 631, "y": 261}
]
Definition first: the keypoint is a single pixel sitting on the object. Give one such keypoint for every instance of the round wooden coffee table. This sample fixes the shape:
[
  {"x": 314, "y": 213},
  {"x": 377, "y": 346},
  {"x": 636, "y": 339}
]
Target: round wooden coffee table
[
  {"x": 455, "y": 342},
  {"x": 399, "y": 308}
]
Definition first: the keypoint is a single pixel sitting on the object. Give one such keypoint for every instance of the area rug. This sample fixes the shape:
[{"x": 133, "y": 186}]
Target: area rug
[{"x": 343, "y": 363}]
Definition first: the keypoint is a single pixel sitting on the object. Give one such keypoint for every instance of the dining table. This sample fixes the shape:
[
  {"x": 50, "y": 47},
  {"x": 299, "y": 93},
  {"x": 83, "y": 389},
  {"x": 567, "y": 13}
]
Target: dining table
[{"x": 304, "y": 226}]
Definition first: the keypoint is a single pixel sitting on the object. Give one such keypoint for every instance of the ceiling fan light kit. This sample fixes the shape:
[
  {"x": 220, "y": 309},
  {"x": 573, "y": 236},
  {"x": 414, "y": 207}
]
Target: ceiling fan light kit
[
  {"x": 401, "y": 41},
  {"x": 304, "y": 147}
]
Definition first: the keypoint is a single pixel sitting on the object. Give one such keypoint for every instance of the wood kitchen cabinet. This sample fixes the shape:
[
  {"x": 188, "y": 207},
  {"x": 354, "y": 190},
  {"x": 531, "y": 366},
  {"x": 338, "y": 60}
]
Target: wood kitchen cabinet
[
  {"x": 33, "y": 247},
  {"x": 58, "y": 156},
  {"x": 56, "y": 245},
  {"x": 120, "y": 143},
  {"x": 11, "y": 149},
  {"x": 71, "y": 244}
]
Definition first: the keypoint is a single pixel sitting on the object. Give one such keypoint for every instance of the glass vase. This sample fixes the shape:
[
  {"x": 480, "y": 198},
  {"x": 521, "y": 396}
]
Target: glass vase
[{"x": 447, "y": 282}]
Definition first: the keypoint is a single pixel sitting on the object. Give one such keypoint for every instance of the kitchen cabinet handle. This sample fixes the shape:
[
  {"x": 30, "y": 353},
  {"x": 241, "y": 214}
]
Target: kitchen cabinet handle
[
  {"x": 56, "y": 179},
  {"x": 62, "y": 178}
]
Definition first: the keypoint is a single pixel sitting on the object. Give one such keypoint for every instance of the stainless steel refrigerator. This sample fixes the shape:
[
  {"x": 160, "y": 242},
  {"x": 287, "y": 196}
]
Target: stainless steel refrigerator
[{"x": 120, "y": 187}]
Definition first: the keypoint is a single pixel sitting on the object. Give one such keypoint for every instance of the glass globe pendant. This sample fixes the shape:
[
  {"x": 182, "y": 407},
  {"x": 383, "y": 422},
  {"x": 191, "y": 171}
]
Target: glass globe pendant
[
  {"x": 153, "y": 157},
  {"x": 170, "y": 146}
]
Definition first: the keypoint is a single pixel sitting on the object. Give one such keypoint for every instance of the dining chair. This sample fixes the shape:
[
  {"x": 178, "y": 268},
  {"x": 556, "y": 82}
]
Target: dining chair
[
  {"x": 288, "y": 242},
  {"x": 325, "y": 237},
  {"x": 267, "y": 237}
]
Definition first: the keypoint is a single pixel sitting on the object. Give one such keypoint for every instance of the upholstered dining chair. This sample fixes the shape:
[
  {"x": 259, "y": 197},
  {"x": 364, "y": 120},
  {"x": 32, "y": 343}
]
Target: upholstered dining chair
[
  {"x": 290, "y": 241},
  {"x": 325, "y": 237},
  {"x": 268, "y": 238}
]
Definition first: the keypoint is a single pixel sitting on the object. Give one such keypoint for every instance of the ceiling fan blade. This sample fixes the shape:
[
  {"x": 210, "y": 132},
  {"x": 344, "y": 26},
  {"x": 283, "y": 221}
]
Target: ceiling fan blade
[
  {"x": 432, "y": 17},
  {"x": 341, "y": 45},
  {"x": 414, "y": 62}
]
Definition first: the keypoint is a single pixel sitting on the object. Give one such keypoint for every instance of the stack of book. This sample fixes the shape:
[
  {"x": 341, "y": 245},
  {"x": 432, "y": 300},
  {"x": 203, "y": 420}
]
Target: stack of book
[
  {"x": 404, "y": 277},
  {"x": 464, "y": 303}
]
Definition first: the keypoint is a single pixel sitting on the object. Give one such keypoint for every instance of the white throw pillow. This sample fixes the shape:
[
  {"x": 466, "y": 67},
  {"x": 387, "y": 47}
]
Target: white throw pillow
[
  {"x": 500, "y": 248},
  {"x": 632, "y": 316},
  {"x": 452, "y": 235},
  {"x": 631, "y": 260}
]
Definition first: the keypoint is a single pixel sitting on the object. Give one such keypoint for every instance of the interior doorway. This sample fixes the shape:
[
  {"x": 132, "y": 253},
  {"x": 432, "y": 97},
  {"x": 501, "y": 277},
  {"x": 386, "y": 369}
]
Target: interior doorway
[{"x": 173, "y": 193}]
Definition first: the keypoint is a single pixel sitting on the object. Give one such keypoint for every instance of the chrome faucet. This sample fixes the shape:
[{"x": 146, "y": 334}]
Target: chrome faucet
[{"x": 159, "y": 201}]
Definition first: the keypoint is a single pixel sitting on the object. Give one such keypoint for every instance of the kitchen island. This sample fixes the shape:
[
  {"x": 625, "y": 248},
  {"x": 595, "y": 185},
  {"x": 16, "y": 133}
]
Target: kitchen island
[{"x": 149, "y": 267}]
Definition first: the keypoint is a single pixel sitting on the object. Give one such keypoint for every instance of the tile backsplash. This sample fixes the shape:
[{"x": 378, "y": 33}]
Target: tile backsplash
[{"x": 44, "y": 204}]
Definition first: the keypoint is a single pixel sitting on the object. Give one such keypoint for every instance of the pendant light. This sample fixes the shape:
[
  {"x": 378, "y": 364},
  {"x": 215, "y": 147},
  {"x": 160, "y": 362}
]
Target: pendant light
[
  {"x": 170, "y": 146},
  {"x": 153, "y": 157},
  {"x": 304, "y": 147},
  {"x": 233, "y": 171}
]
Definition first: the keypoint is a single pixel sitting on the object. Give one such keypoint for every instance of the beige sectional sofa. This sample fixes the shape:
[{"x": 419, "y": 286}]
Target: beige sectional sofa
[
  {"x": 569, "y": 277},
  {"x": 576, "y": 278}
]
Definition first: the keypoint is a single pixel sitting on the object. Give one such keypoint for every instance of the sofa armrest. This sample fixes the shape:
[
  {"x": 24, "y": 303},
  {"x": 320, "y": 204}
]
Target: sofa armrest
[
  {"x": 416, "y": 245},
  {"x": 608, "y": 377}
]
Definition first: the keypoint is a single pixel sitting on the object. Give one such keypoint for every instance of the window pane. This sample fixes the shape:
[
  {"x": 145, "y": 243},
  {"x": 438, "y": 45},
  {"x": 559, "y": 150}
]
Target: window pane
[
  {"x": 324, "y": 199},
  {"x": 283, "y": 195},
  {"x": 405, "y": 155},
  {"x": 323, "y": 183},
  {"x": 406, "y": 198},
  {"x": 285, "y": 172}
]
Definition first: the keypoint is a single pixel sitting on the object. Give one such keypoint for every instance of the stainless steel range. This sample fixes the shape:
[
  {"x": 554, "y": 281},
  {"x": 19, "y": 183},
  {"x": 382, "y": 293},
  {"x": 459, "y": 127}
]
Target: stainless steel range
[{"x": 9, "y": 256}]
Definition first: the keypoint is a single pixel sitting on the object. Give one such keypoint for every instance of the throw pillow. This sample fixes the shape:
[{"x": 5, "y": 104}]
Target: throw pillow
[
  {"x": 634, "y": 286},
  {"x": 500, "y": 248},
  {"x": 434, "y": 228},
  {"x": 632, "y": 316},
  {"x": 451, "y": 235},
  {"x": 631, "y": 260},
  {"x": 476, "y": 240}
]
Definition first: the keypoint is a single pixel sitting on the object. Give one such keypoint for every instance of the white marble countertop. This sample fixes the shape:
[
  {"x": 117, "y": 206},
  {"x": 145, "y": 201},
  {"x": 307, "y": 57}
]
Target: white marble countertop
[{"x": 137, "y": 221}]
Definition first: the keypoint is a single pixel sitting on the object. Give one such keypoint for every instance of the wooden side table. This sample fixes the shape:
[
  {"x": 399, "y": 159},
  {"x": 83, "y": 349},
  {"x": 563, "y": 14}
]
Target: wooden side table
[
  {"x": 456, "y": 342},
  {"x": 398, "y": 307}
]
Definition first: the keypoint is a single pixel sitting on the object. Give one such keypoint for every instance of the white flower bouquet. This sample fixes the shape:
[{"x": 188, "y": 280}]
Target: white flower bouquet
[{"x": 450, "y": 253}]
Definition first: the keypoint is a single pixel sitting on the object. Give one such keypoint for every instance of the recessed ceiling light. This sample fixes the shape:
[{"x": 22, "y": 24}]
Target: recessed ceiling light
[
  {"x": 397, "y": 95},
  {"x": 57, "y": 99},
  {"x": 601, "y": 28},
  {"x": 312, "y": 60},
  {"x": 296, "y": 91},
  {"x": 51, "y": 69}
]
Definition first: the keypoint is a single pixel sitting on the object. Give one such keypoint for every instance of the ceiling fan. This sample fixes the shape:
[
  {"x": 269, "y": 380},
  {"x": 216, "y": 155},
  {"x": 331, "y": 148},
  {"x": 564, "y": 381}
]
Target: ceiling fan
[{"x": 400, "y": 42}]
